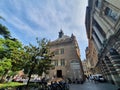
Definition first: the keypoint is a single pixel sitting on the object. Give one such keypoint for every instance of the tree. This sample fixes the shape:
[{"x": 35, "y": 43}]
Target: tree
[
  {"x": 13, "y": 51},
  {"x": 2, "y": 18},
  {"x": 4, "y": 31},
  {"x": 5, "y": 66},
  {"x": 39, "y": 58}
]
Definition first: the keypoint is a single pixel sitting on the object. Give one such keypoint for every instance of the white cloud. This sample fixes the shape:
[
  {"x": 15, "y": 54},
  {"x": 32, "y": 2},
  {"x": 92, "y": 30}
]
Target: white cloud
[{"x": 50, "y": 16}]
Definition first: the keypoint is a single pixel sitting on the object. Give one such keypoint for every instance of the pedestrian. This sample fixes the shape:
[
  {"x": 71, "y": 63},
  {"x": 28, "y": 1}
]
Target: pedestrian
[
  {"x": 87, "y": 78},
  {"x": 95, "y": 79}
]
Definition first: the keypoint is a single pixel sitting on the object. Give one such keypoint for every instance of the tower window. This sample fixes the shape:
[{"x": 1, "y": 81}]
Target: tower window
[{"x": 62, "y": 50}]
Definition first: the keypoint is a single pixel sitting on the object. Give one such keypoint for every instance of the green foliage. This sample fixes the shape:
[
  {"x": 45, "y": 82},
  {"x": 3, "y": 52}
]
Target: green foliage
[
  {"x": 10, "y": 84},
  {"x": 7, "y": 46},
  {"x": 2, "y": 18},
  {"x": 12, "y": 50},
  {"x": 12, "y": 73},
  {"x": 4, "y": 31},
  {"x": 39, "y": 57},
  {"x": 12, "y": 55},
  {"x": 5, "y": 65}
]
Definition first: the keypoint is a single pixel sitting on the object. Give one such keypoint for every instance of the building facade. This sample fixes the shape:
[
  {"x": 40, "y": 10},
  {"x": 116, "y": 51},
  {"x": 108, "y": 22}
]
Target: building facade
[
  {"x": 91, "y": 61},
  {"x": 67, "y": 60},
  {"x": 103, "y": 31},
  {"x": 86, "y": 69}
]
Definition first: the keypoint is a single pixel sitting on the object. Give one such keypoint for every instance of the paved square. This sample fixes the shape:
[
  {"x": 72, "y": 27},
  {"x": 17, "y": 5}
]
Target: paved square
[{"x": 93, "y": 86}]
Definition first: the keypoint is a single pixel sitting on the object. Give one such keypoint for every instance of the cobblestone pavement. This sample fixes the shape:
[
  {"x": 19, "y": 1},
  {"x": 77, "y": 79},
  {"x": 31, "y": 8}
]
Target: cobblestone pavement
[{"x": 93, "y": 86}]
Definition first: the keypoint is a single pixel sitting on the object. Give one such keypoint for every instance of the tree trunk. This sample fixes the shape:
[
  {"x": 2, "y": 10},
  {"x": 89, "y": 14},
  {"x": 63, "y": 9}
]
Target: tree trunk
[
  {"x": 30, "y": 73},
  {"x": 2, "y": 78}
]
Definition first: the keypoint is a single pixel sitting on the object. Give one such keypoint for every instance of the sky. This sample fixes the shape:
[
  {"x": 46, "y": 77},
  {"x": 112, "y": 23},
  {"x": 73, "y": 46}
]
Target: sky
[{"x": 28, "y": 19}]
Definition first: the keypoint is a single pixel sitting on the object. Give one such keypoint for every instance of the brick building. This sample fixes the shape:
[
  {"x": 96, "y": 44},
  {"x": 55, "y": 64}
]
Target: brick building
[{"x": 67, "y": 60}]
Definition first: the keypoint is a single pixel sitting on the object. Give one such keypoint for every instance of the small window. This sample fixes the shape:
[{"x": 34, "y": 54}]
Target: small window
[
  {"x": 114, "y": 15},
  {"x": 98, "y": 4},
  {"x": 62, "y": 62},
  {"x": 62, "y": 50},
  {"x": 56, "y": 52},
  {"x": 53, "y": 62},
  {"x": 56, "y": 62}
]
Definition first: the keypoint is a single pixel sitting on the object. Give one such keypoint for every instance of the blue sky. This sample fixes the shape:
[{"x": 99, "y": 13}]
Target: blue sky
[{"x": 28, "y": 19}]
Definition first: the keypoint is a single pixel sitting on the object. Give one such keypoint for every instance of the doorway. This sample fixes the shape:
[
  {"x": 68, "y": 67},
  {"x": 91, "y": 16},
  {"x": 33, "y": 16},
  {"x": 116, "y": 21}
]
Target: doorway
[{"x": 59, "y": 73}]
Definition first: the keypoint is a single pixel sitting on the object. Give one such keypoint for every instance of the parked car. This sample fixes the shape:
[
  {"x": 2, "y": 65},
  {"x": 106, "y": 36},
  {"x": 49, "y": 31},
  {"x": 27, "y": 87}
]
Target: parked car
[
  {"x": 99, "y": 77},
  {"x": 92, "y": 77}
]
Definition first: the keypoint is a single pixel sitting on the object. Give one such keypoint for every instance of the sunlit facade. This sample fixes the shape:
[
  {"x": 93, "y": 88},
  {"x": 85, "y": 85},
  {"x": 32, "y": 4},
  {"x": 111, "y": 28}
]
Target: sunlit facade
[{"x": 67, "y": 60}]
